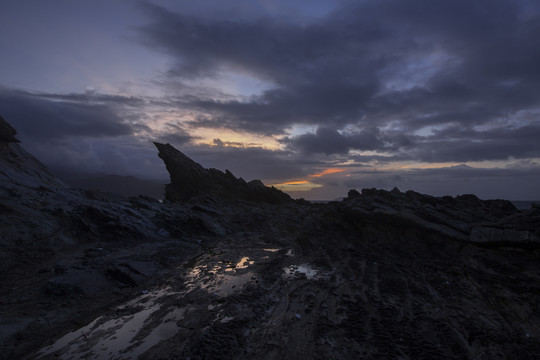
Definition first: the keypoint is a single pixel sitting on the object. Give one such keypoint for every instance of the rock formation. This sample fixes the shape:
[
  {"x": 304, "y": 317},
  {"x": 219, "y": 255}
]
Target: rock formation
[
  {"x": 190, "y": 181},
  {"x": 228, "y": 269},
  {"x": 464, "y": 217}
]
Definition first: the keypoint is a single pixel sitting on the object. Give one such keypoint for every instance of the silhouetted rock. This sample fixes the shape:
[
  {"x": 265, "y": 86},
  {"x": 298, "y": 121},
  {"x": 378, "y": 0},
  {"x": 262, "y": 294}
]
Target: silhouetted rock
[
  {"x": 190, "y": 181},
  {"x": 353, "y": 194},
  {"x": 464, "y": 217}
]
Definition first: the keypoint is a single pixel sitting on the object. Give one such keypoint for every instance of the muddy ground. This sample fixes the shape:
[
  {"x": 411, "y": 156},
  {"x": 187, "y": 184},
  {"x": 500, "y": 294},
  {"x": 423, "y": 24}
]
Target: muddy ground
[{"x": 405, "y": 293}]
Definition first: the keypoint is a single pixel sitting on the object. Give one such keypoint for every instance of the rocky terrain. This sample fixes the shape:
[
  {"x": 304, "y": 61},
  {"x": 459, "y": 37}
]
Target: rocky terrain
[{"x": 225, "y": 268}]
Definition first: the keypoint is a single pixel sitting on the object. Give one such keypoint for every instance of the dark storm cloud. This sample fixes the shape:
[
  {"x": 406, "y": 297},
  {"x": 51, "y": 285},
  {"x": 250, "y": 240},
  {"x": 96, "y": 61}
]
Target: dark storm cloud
[
  {"x": 389, "y": 65},
  {"x": 85, "y": 133},
  {"x": 46, "y": 116},
  {"x": 459, "y": 144},
  {"x": 251, "y": 162},
  {"x": 276, "y": 109},
  {"x": 329, "y": 141},
  {"x": 172, "y": 133}
]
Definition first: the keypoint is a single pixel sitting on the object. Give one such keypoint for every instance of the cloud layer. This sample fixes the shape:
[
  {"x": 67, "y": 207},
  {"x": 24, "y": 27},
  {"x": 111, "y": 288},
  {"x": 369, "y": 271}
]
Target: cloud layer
[
  {"x": 457, "y": 80},
  {"x": 354, "y": 85}
]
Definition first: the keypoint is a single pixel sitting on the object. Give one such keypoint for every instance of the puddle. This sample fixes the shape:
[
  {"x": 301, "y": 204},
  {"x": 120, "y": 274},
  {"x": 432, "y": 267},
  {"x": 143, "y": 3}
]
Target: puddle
[
  {"x": 221, "y": 278},
  {"x": 244, "y": 263},
  {"x": 306, "y": 269},
  {"x": 120, "y": 337},
  {"x": 147, "y": 320}
]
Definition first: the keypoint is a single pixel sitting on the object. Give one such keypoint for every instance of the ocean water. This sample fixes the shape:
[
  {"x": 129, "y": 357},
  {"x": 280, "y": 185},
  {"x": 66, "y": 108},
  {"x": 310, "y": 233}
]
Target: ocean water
[{"x": 524, "y": 205}]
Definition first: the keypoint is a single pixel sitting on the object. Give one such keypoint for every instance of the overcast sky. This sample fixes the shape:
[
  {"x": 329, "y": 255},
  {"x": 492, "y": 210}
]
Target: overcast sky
[{"x": 313, "y": 96}]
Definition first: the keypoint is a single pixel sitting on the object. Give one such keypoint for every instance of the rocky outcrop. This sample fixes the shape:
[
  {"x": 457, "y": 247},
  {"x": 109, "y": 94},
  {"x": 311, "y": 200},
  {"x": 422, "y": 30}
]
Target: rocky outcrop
[
  {"x": 520, "y": 229},
  {"x": 464, "y": 217},
  {"x": 190, "y": 181}
]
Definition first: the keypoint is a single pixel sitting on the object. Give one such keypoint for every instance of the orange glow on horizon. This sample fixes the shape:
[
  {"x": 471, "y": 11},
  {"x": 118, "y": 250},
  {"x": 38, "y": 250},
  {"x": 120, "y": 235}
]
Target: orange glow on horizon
[
  {"x": 327, "y": 172},
  {"x": 301, "y": 185},
  {"x": 293, "y": 183},
  {"x": 305, "y": 185}
]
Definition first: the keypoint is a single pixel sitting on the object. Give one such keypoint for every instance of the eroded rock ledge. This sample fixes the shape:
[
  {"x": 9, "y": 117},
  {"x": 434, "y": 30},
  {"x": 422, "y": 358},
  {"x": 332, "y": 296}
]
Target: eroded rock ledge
[{"x": 464, "y": 217}]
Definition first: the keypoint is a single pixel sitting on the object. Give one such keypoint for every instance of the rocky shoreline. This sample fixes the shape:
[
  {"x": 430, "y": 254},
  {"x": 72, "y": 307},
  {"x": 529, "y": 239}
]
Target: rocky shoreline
[{"x": 225, "y": 268}]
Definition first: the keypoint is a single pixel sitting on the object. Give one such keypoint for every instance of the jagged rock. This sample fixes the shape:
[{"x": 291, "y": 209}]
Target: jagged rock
[
  {"x": 189, "y": 180},
  {"x": 464, "y": 217},
  {"x": 353, "y": 194}
]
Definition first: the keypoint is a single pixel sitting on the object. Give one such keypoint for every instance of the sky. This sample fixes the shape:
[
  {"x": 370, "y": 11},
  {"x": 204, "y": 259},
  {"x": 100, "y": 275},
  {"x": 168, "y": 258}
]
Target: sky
[{"x": 315, "y": 97}]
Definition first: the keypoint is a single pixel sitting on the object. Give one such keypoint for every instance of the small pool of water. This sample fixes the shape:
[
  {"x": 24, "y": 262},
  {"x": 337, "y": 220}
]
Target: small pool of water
[{"x": 221, "y": 278}]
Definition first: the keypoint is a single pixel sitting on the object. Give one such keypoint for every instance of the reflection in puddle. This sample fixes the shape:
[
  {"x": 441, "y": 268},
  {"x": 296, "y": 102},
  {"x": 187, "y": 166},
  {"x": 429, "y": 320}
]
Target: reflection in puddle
[
  {"x": 221, "y": 278},
  {"x": 143, "y": 322},
  {"x": 244, "y": 263},
  {"x": 294, "y": 270},
  {"x": 120, "y": 337}
]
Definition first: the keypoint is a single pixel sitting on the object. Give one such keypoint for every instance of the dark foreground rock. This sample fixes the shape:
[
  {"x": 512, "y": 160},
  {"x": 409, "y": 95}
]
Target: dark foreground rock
[{"x": 379, "y": 275}]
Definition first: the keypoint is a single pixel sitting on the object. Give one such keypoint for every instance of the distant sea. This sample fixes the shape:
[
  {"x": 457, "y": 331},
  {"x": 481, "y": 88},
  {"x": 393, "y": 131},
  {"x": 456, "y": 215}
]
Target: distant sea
[
  {"x": 524, "y": 205},
  {"x": 519, "y": 204}
]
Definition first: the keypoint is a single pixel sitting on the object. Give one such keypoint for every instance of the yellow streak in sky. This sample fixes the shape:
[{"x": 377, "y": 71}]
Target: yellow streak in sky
[
  {"x": 232, "y": 138},
  {"x": 294, "y": 183},
  {"x": 327, "y": 171},
  {"x": 301, "y": 185},
  {"x": 305, "y": 185}
]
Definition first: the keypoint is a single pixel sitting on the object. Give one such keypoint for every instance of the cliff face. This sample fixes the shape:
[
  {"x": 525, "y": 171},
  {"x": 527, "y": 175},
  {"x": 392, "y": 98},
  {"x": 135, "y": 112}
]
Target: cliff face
[
  {"x": 190, "y": 181},
  {"x": 228, "y": 269}
]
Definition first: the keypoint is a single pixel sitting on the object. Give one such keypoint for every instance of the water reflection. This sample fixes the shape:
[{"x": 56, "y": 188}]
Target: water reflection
[
  {"x": 221, "y": 278},
  {"x": 244, "y": 263},
  {"x": 120, "y": 337},
  {"x": 152, "y": 317}
]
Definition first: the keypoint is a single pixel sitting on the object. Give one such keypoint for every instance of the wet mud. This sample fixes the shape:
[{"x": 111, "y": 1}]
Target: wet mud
[{"x": 252, "y": 299}]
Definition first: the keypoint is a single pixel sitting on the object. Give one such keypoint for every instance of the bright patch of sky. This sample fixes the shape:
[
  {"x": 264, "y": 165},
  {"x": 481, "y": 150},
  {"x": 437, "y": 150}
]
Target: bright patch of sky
[
  {"x": 227, "y": 137},
  {"x": 228, "y": 85},
  {"x": 415, "y": 70},
  {"x": 300, "y": 129}
]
